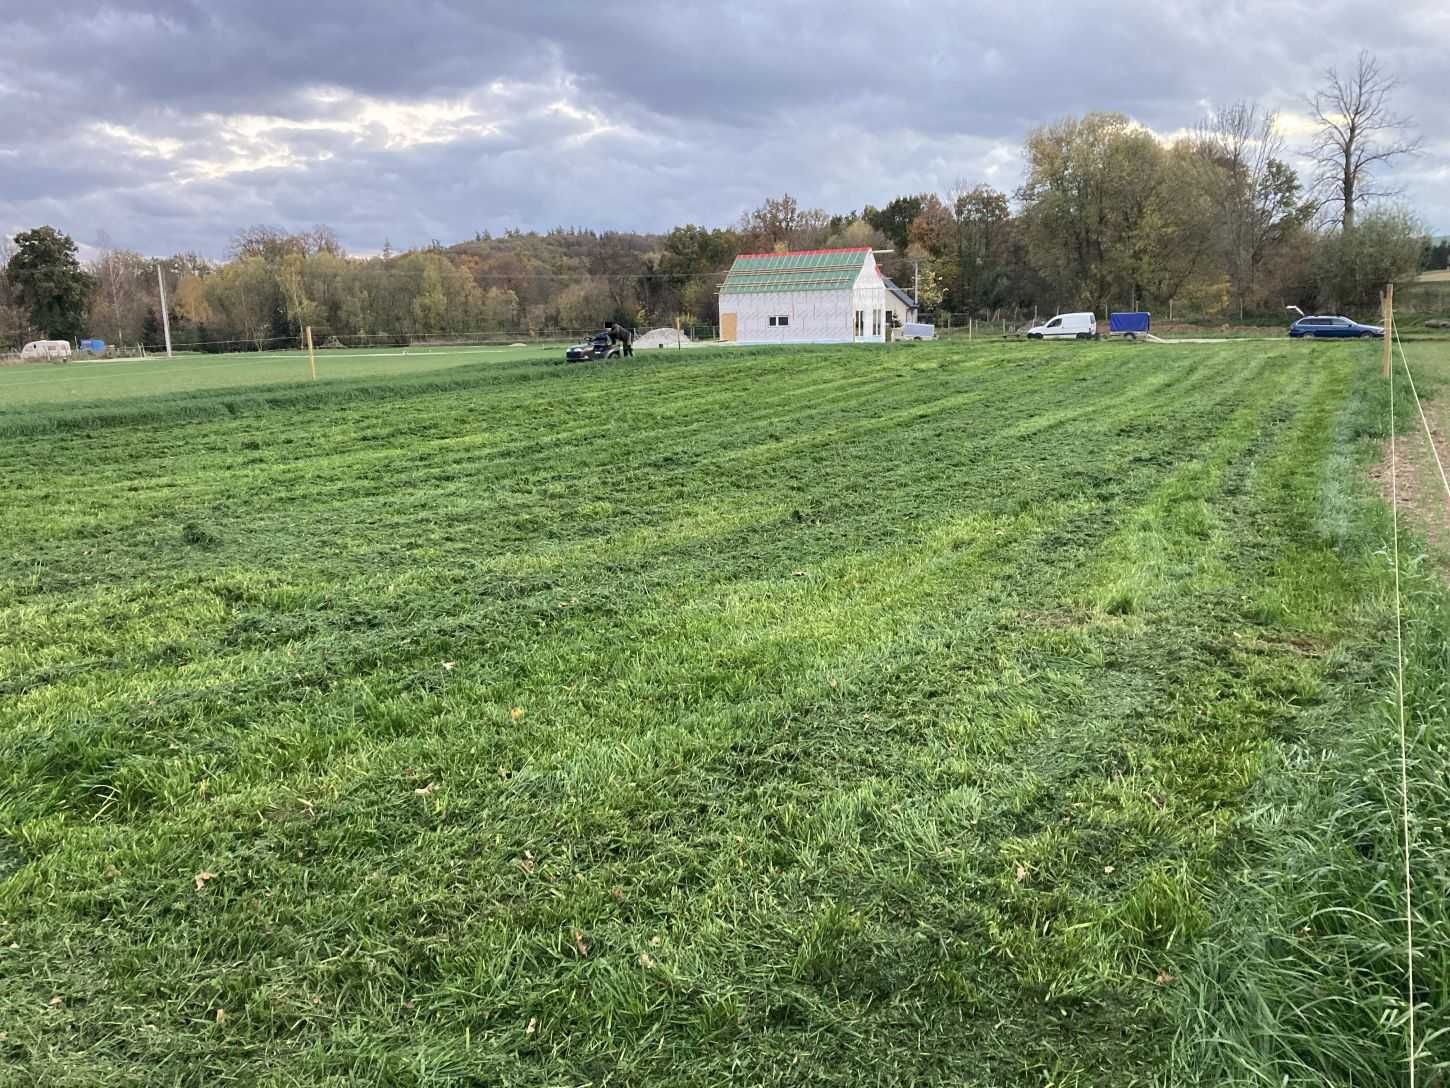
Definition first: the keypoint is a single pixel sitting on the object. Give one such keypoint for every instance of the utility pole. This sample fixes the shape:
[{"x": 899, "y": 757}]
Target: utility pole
[{"x": 165, "y": 318}]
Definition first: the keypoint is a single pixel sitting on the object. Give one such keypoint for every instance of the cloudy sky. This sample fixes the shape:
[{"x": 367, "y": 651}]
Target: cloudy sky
[{"x": 167, "y": 125}]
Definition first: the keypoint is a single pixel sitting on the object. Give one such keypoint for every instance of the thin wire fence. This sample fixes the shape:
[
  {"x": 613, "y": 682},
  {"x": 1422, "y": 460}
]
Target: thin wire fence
[
  {"x": 1421, "y": 300},
  {"x": 325, "y": 339}
]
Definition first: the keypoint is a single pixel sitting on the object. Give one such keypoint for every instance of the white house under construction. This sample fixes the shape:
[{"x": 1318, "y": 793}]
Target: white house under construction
[{"x": 818, "y": 296}]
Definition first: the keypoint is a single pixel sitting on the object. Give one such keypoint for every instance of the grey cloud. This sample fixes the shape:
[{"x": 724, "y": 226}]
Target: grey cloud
[{"x": 714, "y": 106}]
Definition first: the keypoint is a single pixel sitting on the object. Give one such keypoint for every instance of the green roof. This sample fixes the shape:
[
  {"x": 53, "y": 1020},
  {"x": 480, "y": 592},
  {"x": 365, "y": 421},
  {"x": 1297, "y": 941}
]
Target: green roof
[{"x": 814, "y": 270}]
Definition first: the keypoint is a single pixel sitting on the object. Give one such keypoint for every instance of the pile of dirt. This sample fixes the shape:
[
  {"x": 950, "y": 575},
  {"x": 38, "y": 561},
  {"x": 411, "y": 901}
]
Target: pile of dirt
[{"x": 662, "y": 338}]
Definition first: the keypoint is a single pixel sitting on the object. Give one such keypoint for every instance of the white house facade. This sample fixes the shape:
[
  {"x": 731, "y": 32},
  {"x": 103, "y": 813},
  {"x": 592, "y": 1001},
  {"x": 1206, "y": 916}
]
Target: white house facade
[
  {"x": 820, "y": 296},
  {"x": 900, "y": 304}
]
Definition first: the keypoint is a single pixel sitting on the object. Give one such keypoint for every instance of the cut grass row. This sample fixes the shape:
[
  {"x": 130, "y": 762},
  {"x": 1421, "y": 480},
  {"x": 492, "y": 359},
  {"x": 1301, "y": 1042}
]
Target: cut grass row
[{"x": 826, "y": 717}]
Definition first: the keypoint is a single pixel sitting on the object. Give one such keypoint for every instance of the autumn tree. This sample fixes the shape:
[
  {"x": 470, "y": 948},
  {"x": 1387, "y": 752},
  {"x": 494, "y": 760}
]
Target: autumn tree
[
  {"x": 430, "y": 304},
  {"x": 1255, "y": 192},
  {"x": 246, "y": 295},
  {"x": 618, "y": 262},
  {"x": 120, "y": 293},
  {"x": 1174, "y": 236},
  {"x": 292, "y": 280},
  {"x": 781, "y": 224},
  {"x": 190, "y": 302},
  {"x": 856, "y": 234},
  {"x": 1351, "y": 267},
  {"x": 1088, "y": 184}
]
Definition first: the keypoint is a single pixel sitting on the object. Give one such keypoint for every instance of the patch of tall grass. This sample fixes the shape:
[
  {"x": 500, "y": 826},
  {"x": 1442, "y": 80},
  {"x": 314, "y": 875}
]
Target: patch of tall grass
[{"x": 1303, "y": 977}]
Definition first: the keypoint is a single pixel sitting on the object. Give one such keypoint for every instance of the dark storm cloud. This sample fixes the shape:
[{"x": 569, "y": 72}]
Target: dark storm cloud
[{"x": 170, "y": 124}]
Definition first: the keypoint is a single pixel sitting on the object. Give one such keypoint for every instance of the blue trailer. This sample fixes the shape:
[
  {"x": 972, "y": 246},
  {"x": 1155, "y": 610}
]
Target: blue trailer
[{"x": 1131, "y": 325}]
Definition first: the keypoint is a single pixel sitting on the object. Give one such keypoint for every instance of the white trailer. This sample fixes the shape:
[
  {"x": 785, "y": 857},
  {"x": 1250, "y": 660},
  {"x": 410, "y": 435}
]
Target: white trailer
[{"x": 53, "y": 350}]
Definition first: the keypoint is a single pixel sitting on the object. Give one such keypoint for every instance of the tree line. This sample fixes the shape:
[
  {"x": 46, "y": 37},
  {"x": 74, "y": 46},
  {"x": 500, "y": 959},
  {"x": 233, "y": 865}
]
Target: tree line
[{"x": 1108, "y": 216}]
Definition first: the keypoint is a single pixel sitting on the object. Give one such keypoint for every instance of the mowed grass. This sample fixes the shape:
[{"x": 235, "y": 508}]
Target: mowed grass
[
  {"x": 836, "y": 716},
  {"x": 93, "y": 382}
]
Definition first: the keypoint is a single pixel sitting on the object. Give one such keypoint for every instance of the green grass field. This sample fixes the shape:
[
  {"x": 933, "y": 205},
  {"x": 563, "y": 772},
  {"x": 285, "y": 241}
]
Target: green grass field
[
  {"x": 993, "y": 714},
  {"x": 100, "y": 381}
]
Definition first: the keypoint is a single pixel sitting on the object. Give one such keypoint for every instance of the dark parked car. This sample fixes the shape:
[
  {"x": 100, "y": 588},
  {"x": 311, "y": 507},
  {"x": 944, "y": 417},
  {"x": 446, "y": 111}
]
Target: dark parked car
[
  {"x": 1341, "y": 327},
  {"x": 599, "y": 348}
]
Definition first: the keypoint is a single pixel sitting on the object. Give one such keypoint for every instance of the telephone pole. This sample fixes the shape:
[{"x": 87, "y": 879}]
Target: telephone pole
[{"x": 165, "y": 318}]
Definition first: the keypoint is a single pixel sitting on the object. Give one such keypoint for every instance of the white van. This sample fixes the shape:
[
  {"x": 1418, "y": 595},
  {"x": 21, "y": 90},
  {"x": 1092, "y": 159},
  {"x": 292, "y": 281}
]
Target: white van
[
  {"x": 1066, "y": 327},
  {"x": 46, "y": 349}
]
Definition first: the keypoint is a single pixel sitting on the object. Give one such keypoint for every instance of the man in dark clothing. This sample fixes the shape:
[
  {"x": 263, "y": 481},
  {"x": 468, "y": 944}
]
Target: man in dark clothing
[{"x": 618, "y": 334}]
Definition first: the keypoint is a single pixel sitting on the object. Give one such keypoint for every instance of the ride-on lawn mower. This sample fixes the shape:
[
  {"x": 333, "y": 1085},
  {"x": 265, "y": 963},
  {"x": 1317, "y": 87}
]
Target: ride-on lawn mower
[{"x": 600, "y": 347}]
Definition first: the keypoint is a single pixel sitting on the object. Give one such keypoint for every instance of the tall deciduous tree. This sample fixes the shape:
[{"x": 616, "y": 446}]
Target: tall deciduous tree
[
  {"x": 14, "y": 318},
  {"x": 781, "y": 223},
  {"x": 1089, "y": 182},
  {"x": 430, "y": 304},
  {"x": 1359, "y": 134},
  {"x": 1174, "y": 236},
  {"x": 1350, "y": 267},
  {"x": 121, "y": 292},
  {"x": 291, "y": 275},
  {"x": 981, "y": 214},
  {"x": 245, "y": 293},
  {"x": 48, "y": 279},
  {"x": 896, "y": 218},
  {"x": 1256, "y": 192}
]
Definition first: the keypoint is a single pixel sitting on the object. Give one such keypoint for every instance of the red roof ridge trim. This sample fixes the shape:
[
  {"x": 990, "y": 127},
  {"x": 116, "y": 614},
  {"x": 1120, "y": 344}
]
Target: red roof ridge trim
[{"x": 805, "y": 252}]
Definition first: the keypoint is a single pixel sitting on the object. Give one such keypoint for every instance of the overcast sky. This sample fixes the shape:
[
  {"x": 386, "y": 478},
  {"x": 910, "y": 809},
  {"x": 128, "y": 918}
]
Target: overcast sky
[{"x": 170, "y": 124}]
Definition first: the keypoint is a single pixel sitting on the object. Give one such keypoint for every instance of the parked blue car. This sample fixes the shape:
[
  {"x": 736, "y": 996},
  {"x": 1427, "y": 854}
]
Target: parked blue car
[{"x": 1341, "y": 327}]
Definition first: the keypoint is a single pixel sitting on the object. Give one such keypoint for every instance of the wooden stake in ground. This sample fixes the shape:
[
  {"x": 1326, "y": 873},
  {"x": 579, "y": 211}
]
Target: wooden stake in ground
[
  {"x": 1389, "y": 323},
  {"x": 311, "y": 355}
]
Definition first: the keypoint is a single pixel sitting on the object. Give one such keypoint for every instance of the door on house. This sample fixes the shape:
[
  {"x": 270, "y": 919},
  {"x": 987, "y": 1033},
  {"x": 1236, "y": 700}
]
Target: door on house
[{"x": 727, "y": 327}]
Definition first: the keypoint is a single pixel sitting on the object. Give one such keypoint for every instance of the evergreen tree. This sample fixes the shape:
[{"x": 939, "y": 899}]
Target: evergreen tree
[
  {"x": 50, "y": 282},
  {"x": 151, "y": 334}
]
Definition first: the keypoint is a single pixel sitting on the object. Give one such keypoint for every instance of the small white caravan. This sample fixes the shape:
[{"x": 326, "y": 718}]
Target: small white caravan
[{"x": 46, "y": 349}]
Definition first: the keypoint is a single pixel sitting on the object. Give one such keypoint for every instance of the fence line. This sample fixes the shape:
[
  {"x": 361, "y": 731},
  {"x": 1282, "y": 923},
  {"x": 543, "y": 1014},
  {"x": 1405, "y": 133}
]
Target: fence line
[{"x": 1404, "y": 740}]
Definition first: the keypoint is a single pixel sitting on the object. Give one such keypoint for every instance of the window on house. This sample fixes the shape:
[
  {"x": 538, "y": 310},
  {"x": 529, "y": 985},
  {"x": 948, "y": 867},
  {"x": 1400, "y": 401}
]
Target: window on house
[
  {"x": 784, "y": 319},
  {"x": 875, "y": 322},
  {"x": 860, "y": 322},
  {"x": 772, "y": 320}
]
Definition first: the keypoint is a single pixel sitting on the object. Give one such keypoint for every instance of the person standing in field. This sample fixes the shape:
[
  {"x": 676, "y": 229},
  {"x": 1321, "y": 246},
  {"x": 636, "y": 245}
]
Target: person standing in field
[{"x": 618, "y": 334}]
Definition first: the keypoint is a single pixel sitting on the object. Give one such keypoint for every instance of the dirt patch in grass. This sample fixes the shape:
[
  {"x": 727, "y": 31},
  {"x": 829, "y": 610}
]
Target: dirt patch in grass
[{"x": 1421, "y": 491}]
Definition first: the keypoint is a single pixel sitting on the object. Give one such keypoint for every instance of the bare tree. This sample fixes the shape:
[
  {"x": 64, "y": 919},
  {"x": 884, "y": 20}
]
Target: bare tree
[
  {"x": 1256, "y": 192},
  {"x": 117, "y": 302},
  {"x": 782, "y": 224},
  {"x": 1358, "y": 133}
]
